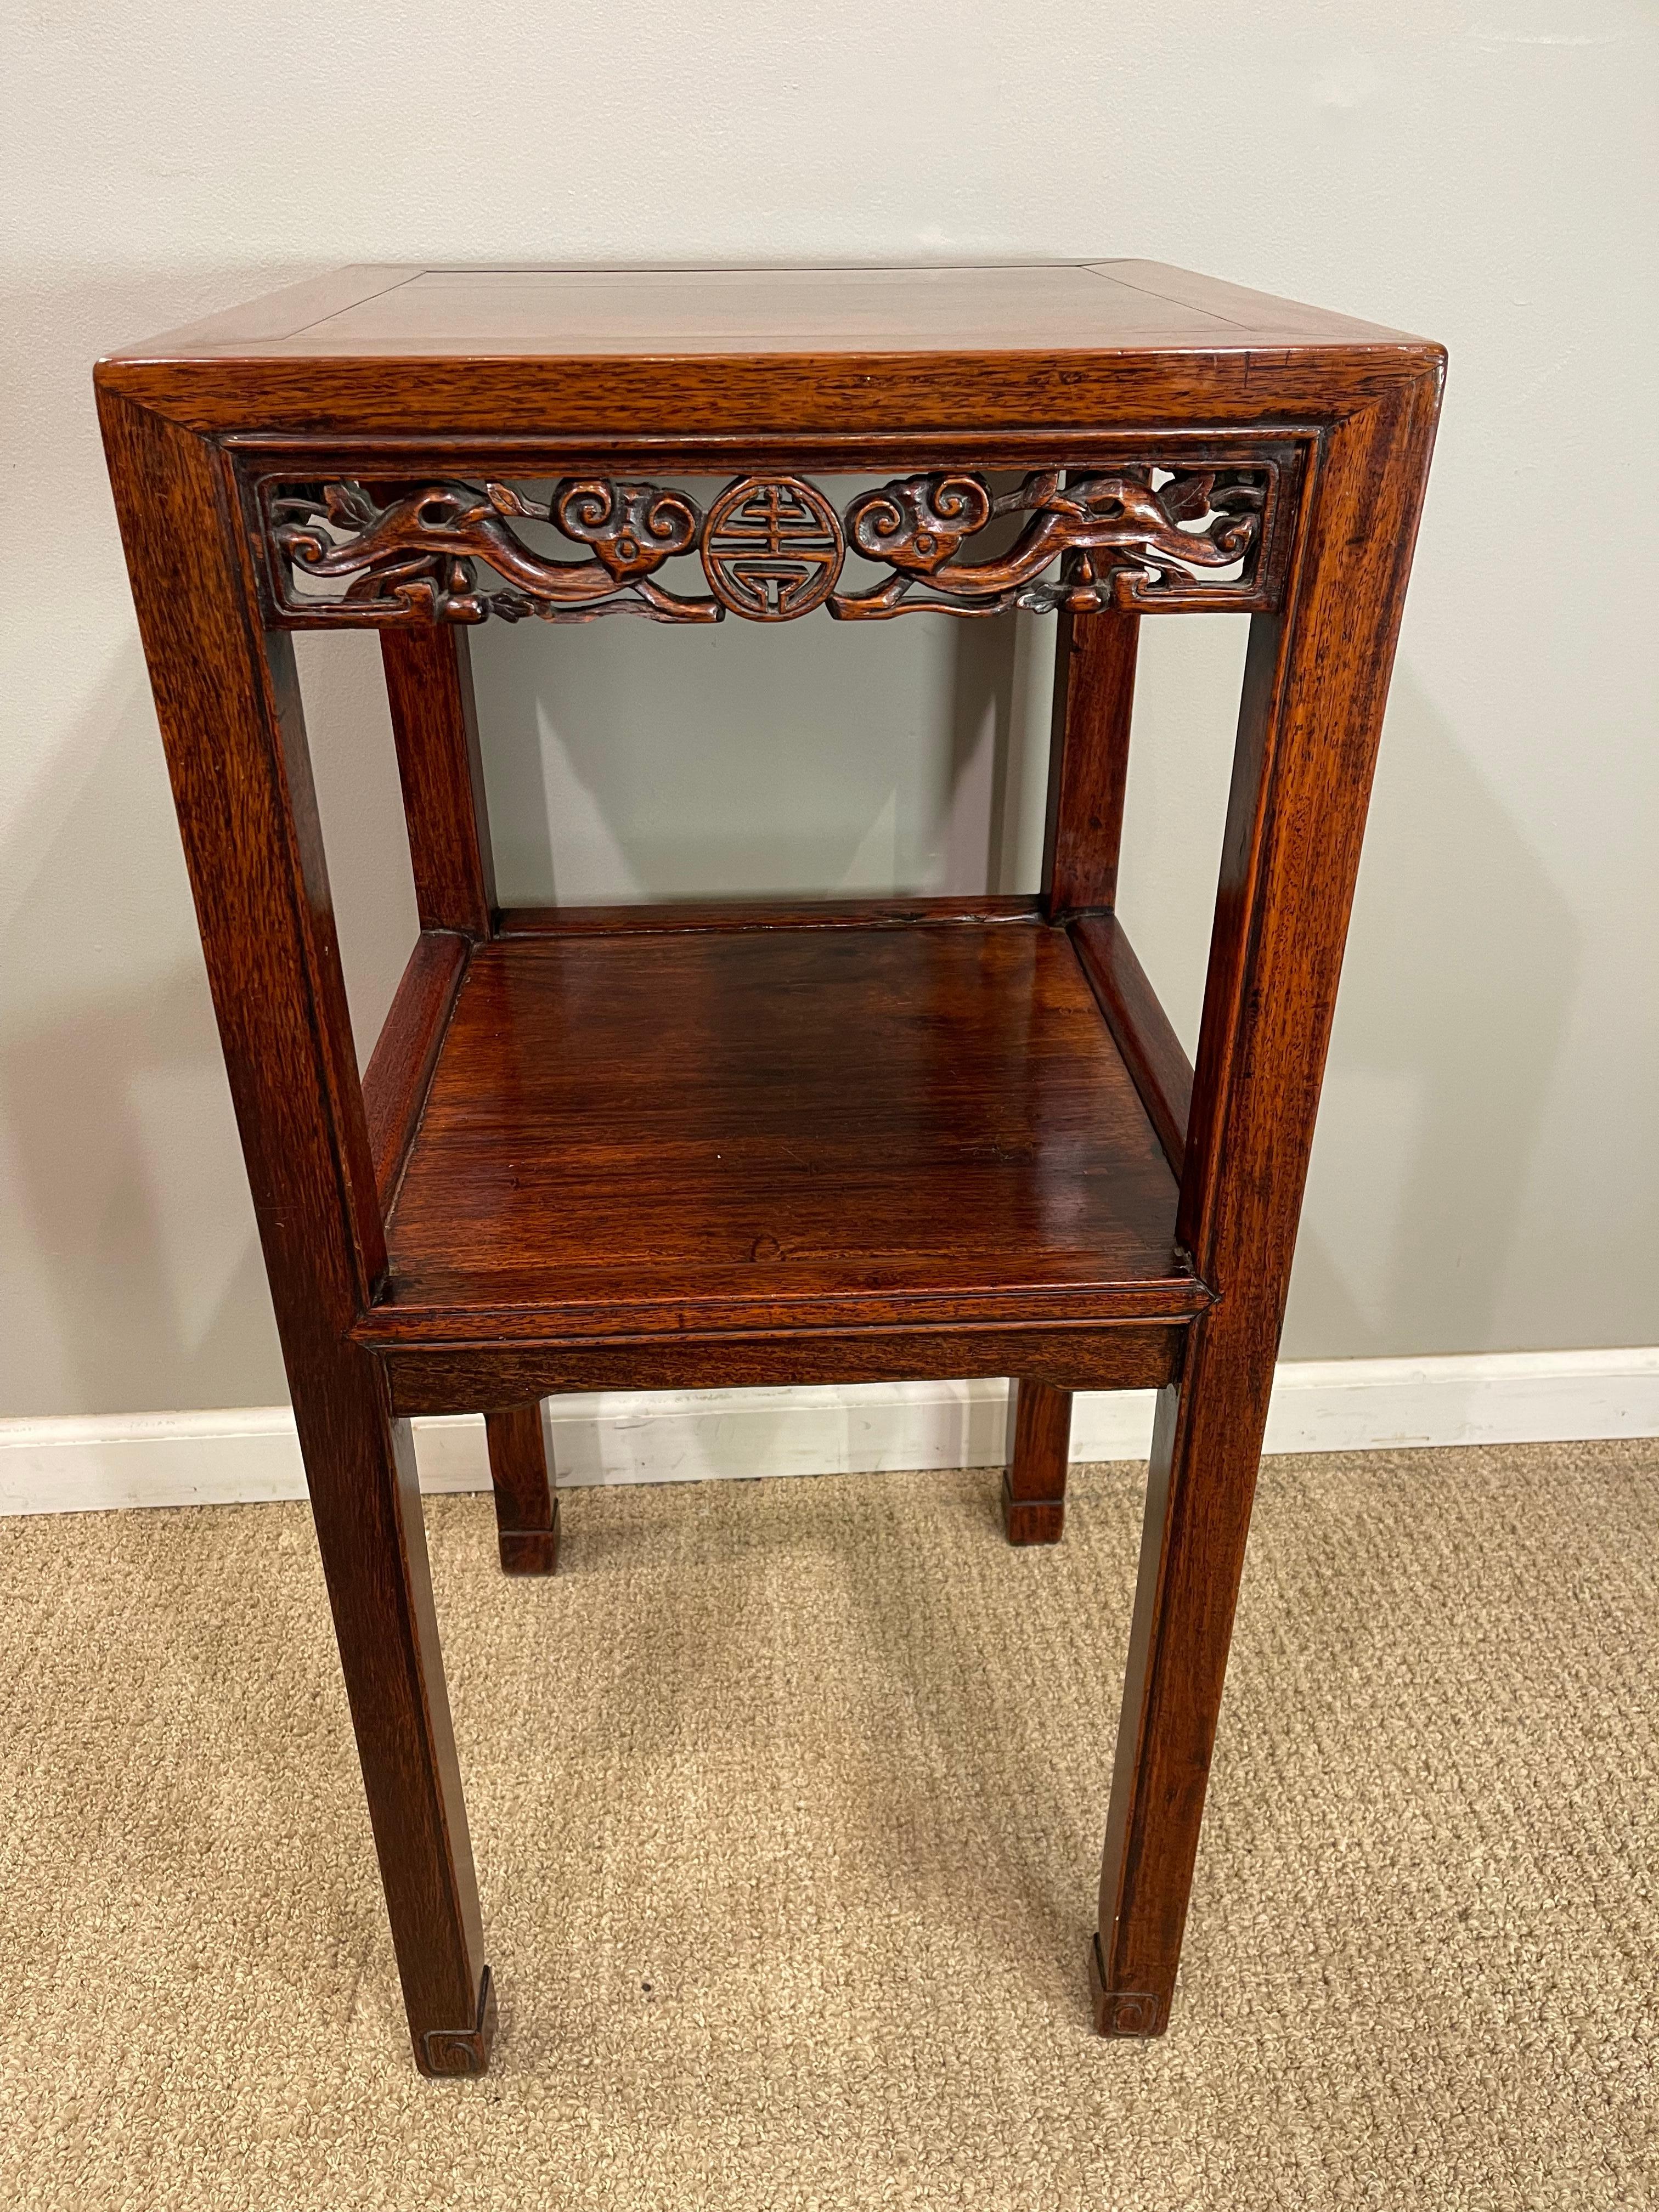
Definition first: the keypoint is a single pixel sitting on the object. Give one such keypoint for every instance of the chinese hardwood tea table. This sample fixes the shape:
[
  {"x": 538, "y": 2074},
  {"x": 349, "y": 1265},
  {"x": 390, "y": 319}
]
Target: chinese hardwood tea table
[{"x": 780, "y": 1143}]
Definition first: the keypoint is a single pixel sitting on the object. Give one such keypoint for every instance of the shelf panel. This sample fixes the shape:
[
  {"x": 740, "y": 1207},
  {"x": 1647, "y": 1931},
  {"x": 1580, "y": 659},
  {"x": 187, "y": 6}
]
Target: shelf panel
[
  {"x": 776, "y": 1128},
  {"x": 673, "y": 917}
]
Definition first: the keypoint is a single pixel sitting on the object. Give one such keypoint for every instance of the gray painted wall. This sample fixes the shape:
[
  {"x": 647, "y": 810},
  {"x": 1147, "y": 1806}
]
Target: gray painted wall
[{"x": 1486, "y": 1174}]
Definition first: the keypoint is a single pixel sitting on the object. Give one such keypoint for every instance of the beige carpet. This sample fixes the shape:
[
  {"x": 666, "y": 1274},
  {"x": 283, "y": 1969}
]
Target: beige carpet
[{"x": 787, "y": 1799}]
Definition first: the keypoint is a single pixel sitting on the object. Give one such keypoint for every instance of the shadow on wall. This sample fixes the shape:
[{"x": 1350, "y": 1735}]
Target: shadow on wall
[
  {"x": 1458, "y": 987},
  {"x": 144, "y": 1284},
  {"x": 146, "y": 1287},
  {"x": 626, "y": 761},
  {"x": 1462, "y": 966}
]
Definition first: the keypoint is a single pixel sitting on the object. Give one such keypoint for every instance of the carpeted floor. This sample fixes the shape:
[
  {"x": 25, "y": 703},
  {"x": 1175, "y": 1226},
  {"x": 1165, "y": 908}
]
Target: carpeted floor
[{"x": 787, "y": 1799}]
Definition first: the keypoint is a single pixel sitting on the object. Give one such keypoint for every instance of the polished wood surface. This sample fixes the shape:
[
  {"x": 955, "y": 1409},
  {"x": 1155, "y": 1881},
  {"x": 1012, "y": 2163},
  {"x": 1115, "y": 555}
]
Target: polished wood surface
[
  {"x": 526, "y": 1511},
  {"x": 434, "y": 724},
  {"x": 1167, "y": 527},
  {"x": 1309, "y": 722},
  {"x": 235, "y": 742},
  {"x": 1034, "y": 1477},
  {"x": 1158, "y": 1066},
  {"x": 806, "y": 360},
  {"x": 400, "y": 1068},
  {"x": 770, "y": 1142},
  {"x": 682, "y": 916},
  {"x": 448, "y": 1377},
  {"x": 393, "y": 312},
  {"x": 1095, "y": 655},
  {"x": 805, "y": 1125}
]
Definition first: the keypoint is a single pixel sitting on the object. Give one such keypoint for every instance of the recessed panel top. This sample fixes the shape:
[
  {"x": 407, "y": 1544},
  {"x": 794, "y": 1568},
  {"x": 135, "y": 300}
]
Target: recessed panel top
[{"x": 555, "y": 314}]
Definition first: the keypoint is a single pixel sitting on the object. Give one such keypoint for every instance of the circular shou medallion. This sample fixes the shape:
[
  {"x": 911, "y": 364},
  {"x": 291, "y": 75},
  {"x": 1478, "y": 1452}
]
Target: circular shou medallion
[{"x": 772, "y": 548}]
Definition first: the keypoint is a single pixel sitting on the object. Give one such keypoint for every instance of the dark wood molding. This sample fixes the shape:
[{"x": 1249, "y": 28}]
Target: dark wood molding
[
  {"x": 1094, "y": 656},
  {"x": 1117, "y": 540},
  {"x": 1034, "y": 1477},
  {"x": 677, "y": 917},
  {"x": 434, "y": 725},
  {"x": 451, "y": 1378},
  {"x": 235, "y": 744},
  {"x": 1315, "y": 681}
]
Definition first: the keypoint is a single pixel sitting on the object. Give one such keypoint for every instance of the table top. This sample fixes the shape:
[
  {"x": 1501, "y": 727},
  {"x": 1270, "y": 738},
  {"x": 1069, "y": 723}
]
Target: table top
[{"x": 397, "y": 314}]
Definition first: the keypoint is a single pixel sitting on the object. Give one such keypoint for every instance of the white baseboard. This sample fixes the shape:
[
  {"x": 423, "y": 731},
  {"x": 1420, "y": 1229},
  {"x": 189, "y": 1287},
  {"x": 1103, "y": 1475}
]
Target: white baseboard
[{"x": 86, "y": 1464}]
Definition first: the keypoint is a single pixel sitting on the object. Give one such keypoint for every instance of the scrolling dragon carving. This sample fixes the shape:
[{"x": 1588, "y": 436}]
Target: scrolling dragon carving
[
  {"x": 772, "y": 548},
  {"x": 1116, "y": 539},
  {"x": 421, "y": 550}
]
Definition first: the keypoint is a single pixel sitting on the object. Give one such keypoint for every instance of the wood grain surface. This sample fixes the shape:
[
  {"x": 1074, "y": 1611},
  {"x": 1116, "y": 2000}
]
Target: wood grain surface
[
  {"x": 885, "y": 1119},
  {"x": 1030, "y": 308},
  {"x": 1034, "y": 1479},
  {"x": 526, "y": 1511}
]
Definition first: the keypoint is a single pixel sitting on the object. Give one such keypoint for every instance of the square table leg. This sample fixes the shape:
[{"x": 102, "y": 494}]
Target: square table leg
[
  {"x": 227, "y": 700},
  {"x": 1309, "y": 720},
  {"x": 526, "y": 1511},
  {"x": 1034, "y": 1478}
]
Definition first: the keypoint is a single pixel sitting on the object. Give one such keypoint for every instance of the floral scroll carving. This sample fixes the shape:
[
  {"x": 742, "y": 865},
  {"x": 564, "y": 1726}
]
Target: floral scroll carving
[{"x": 773, "y": 548}]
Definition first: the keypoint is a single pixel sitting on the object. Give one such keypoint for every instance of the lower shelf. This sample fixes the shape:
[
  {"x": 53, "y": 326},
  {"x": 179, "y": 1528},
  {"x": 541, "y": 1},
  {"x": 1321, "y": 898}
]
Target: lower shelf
[{"x": 777, "y": 1128}]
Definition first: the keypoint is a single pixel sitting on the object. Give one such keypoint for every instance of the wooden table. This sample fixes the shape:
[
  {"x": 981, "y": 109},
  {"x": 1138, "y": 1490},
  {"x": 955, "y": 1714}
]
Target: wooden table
[{"x": 744, "y": 1144}]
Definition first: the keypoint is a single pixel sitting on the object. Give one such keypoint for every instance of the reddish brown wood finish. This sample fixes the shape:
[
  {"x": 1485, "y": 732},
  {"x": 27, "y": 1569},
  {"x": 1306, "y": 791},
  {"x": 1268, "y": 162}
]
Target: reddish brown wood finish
[
  {"x": 428, "y": 681},
  {"x": 756, "y": 1129},
  {"x": 682, "y": 917},
  {"x": 786, "y": 1142},
  {"x": 1315, "y": 685},
  {"x": 1158, "y": 1068},
  {"x": 449, "y": 1378},
  {"x": 1088, "y": 777},
  {"x": 400, "y": 1068},
  {"x": 1089, "y": 758},
  {"x": 1135, "y": 311},
  {"x": 229, "y": 717},
  {"x": 1034, "y": 1479},
  {"x": 526, "y": 1511},
  {"x": 1176, "y": 529}
]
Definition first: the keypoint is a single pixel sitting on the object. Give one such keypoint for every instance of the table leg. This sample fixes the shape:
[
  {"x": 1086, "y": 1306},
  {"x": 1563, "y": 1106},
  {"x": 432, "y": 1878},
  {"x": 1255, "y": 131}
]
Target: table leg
[
  {"x": 366, "y": 1499},
  {"x": 526, "y": 1511},
  {"x": 1200, "y": 1485},
  {"x": 1034, "y": 1477},
  {"x": 1314, "y": 681}
]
